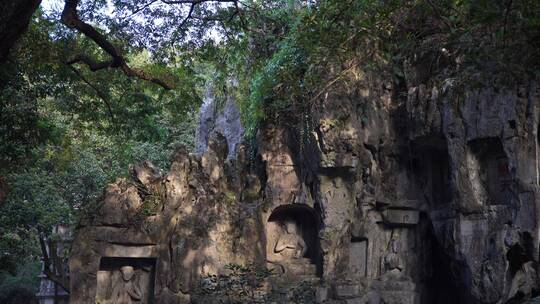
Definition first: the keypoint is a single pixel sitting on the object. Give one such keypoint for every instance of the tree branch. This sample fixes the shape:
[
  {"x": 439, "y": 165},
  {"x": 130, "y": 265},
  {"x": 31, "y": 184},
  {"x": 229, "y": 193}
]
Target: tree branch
[
  {"x": 91, "y": 63},
  {"x": 139, "y": 9},
  {"x": 194, "y": 2},
  {"x": 98, "y": 92},
  {"x": 191, "y": 8},
  {"x": 71, "y": 19}
]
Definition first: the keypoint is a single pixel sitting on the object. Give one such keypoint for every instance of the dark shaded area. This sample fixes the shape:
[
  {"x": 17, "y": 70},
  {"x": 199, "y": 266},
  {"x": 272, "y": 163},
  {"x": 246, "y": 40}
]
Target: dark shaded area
[
  {"x": 430, "y": 166},
  {"x": 517, "y": 256},
  {"x": 15, "y": 16},
  {"x": 521, "y": 253},
  {"x": 112, "y": 263},
  {"x": 446, "y": 283},
  {"x": 19, "y": 296},
  {"x": 306, "y": 220}
]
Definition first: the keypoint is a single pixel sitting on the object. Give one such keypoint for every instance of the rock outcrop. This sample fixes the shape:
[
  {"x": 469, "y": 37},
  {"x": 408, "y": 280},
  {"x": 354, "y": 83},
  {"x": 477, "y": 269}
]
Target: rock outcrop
[
  {"x": 219, "y": 116},
  {"x": 427, "y": 197}
]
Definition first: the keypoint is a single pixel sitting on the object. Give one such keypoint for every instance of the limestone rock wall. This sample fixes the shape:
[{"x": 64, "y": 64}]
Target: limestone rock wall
[
  {"x": 397, "y": 195},
  {"x": 186, "y": 223},
  {"x": 441, "y": 186},
  {"x": 219, "y": 116}
]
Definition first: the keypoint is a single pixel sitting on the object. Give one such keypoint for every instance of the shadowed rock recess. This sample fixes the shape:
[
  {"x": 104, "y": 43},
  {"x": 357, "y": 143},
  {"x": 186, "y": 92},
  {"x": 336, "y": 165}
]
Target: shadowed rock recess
[{"x": 428, "y": 195}]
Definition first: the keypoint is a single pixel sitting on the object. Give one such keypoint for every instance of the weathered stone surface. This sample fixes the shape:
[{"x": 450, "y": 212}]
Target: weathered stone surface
[
  {"x": 400, "y": 297},
  {"x": 120, "y": 205},
  {"x": 347, "y": 291},
  {"x": 401, "y": 217},
  {"x": 432, "y": 198},
  {"x": 190, "y": 222},
  {"x": 321, "y": 294},
  {"x": 124, "y": 283},
  {"x": 219, "y": 117},
  {"x": 145, "y": 173}
]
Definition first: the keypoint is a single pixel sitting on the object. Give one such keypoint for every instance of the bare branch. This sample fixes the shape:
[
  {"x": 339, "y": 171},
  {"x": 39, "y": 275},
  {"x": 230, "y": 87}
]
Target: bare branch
[
  {"x": 71, "y": 19},
  {"x": 139, "y": 9},
  {"x": 142, "y": 75},
  {"x": 192, "y": 7}
]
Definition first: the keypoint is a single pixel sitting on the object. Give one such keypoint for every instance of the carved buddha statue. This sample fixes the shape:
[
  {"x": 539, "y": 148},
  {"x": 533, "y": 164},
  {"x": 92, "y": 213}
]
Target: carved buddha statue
[
  {"x": 290, "y": 244},
  {"x": 126, "y": 290}
]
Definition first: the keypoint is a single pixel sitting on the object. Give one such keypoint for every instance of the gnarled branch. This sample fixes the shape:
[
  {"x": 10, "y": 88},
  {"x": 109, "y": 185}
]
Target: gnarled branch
[
  {"x": 91, "y": 63},
  {"x": 71, "y": 19}
]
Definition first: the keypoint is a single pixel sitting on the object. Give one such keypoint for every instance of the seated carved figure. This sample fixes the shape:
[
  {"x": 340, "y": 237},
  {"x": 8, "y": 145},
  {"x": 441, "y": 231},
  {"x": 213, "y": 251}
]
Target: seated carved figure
[
  {"x": 126, "y": 290},
  {"x": 392, "y": 261},
  {"x": 290, "y": 244}
]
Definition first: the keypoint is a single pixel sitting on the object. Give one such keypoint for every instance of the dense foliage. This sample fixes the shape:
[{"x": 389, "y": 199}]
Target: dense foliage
[
  {"x": 311, "y": 47},
  {"x": 246, "y": 284},
  {"x": 241, "y": 284},
  {"x": 66, "y": 131}
]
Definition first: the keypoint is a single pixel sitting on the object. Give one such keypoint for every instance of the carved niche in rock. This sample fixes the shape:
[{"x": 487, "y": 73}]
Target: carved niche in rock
[
  {"x": 125, "y": 281},
  {"x": 292, "y": 239},
  {"x": 392, "y": 261},
  {"x": 401, "y": 217},
  {"x": 489, "y": 171},
  {"x": 358, "y": 257},
  {"x": 430, "y": 169}
]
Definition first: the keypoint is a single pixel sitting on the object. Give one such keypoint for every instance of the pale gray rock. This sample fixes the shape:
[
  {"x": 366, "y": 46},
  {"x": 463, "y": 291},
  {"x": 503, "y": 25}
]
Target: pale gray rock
[{"x": 222, "y": 117}]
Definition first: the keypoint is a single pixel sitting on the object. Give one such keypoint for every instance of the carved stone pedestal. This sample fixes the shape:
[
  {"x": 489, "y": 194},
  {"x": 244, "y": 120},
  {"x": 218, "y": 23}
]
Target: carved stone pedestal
[{"x": 300, "y": 267}]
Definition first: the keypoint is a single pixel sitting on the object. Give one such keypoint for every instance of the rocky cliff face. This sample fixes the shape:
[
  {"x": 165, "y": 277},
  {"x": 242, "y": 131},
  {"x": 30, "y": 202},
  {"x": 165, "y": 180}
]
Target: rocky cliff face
[
  {"x": 219, "y": 118},
  {"x": 444, "y": 189},
  {"x": 429, "y": 196}
]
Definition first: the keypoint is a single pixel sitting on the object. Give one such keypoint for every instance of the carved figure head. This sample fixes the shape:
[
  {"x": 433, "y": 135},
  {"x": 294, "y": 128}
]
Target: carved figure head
[
  {"x": 395, "y": 246},
  {"x": 127, "y": 273},
  {"x": 290, "y": 227}
]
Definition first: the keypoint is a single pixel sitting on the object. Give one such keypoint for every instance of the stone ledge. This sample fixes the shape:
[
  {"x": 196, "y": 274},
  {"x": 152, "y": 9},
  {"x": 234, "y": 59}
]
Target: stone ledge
[{"x": 401, "y": 217}]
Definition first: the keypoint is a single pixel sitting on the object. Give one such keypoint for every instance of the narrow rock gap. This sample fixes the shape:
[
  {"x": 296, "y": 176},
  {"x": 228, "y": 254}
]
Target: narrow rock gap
[{"x": 442, "y": 285}]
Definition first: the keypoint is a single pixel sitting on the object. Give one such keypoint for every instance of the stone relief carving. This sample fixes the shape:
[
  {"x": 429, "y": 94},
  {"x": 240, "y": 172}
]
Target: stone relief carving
[
  {"x": 290, "y": 244},
  {"x": 127, "y": 290},
  {"x": 358, "y": 257},
  {"x": 288, "y": 249},
  {"x": 392, "y": 261},
  {"x": 125, "y": 284}
]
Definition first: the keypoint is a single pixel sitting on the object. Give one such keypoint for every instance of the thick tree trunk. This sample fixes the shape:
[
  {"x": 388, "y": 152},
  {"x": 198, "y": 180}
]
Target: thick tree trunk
[
  {"x": 14, "y": 19},
  {"x": 3, "y": 189}
]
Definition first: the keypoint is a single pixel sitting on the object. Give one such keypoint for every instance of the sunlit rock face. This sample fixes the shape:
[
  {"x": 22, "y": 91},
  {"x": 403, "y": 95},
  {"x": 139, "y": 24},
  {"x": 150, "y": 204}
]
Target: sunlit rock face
[
  {"x": 219, "y": 115},
  {"x": 168, "y": 230},
  {"x": 399, "y": 195}
]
